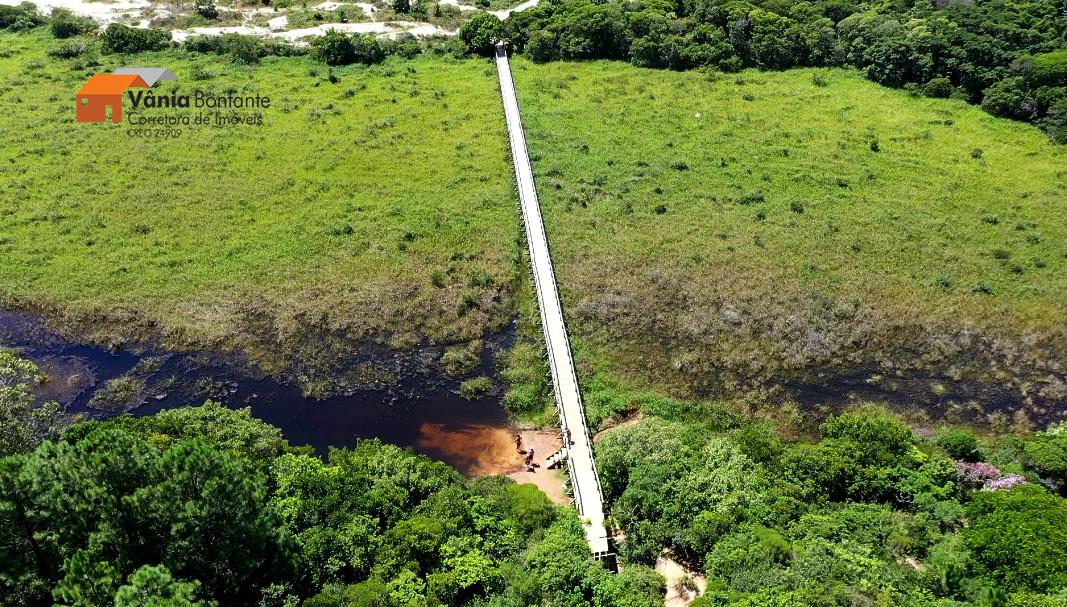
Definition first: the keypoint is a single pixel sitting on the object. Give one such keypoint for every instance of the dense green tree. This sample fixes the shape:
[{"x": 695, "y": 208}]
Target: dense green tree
[
  {"x": 208, "y": 506},
  {"x": 1019, "y": 538},
  {"x": 634, "y": 586},
  {"x": 480, "y": 34},
  {"x": 232, "y": 430},
  {"x": 959, "y": 444},
  {"x": 1046, "y": 455},
  {"x": 1009, "y": 98},
  {"x": 112, "y": 501},
  {"x": 154, "y": 586},
  {"x": 89, "y": 580},
  {"x": 558, "y": 569},
  {"x": 206, "y": 9}
]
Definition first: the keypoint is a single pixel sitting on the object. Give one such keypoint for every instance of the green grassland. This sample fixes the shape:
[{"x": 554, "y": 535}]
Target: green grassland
[
  {"x": 380, "y": 206},
  {"x": 730, "y": 234}
]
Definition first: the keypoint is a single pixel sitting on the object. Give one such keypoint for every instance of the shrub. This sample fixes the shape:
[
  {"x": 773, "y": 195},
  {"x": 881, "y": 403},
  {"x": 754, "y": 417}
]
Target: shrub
[
  {"x": 939, "y": 87},
  {"x": 205, "y": 44},
  {"x": 751, "y": 198},
  {"x": 476, "y": 388},
  {"x": 748, "y": 557},
  {"x": 461, "y": 360},
  {"x": 367, "y": 49},
  {"x": 1046, "y": 455},
  {"x": 206, "y": 9},
  {"x": 277, "y": 48},
  {"x": 121, "y": 39},
  {"x": 334, "y": 48},
  {"x": 21, "y": 17},
  {"x": 243, "y": 50},
  {"x": 404, "y": 45},
  {"x": 65, "y": 24},
  {"x": 871, "y": 430},
  {"x": 543, "y": 46},
  {"x": 71, "y": 49},
  {"x": 959, "y": 444},
  {"x": 1008, "y": 98},
  {"x": 1055, "y": 122},
  {"x": 240, "y": 47}
]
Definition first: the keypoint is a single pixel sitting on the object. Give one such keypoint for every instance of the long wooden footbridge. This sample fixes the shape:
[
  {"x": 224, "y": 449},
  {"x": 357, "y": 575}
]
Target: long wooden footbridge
[{"x": 585, "y": 484}]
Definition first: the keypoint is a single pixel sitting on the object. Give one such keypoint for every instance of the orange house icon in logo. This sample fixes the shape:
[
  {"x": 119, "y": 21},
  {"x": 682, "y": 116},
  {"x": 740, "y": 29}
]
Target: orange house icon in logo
[{"x": 103, "y": 91}]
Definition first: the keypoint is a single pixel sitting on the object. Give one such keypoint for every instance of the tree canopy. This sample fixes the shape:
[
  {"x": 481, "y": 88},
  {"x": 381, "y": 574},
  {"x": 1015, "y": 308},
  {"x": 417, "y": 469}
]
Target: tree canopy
[{"x": 1007, "y": 55}]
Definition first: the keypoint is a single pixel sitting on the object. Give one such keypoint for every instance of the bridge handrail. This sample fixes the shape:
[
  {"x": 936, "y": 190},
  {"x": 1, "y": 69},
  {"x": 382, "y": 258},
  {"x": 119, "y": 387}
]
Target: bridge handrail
[{"x": 520, "y": 132}]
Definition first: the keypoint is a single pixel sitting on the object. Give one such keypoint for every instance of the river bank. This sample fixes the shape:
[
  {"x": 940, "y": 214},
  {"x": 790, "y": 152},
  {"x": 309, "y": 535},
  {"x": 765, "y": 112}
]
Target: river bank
[{"x": 412, "y": 405}]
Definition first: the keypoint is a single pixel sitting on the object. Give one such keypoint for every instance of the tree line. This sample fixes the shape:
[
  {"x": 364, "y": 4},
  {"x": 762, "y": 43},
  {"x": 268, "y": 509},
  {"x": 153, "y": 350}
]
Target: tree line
[
  {"x": 867, "y": 514},
  {"x": 207, "y": 506},
  {"x": 1008, "y": 55}
]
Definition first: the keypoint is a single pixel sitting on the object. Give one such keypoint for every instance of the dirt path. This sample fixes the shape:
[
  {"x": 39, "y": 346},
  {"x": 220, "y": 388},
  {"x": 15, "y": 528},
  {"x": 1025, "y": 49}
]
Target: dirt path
[
  {"x": 683, "y": 586},
  {"x": 544, "y": 443},
  {"x": 504, "y": 14}
]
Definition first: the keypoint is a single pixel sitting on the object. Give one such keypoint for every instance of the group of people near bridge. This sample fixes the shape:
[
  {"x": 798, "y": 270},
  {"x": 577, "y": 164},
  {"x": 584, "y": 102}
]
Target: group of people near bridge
[{"x": 528, "y": 454}]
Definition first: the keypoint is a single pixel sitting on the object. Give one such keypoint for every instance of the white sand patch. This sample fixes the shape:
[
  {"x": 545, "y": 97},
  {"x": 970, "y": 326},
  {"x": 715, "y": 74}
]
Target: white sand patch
[
  {"x": 250, "y": 30},
  {"x": 102, "y": 12},
  {"x": 462, "y": 7},
  {"x": 387, "y": 29},
  {"x": 140, "y": 12},
  {"x": 249, "y": 13},
  {"x": 515, "y": 9},
  {"x": 368, "y": 9},
  {"x": 421, "y": 30}
]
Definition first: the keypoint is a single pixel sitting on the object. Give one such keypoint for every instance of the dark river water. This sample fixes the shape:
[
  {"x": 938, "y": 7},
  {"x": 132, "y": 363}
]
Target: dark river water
[{"x": 424, "y": 411}]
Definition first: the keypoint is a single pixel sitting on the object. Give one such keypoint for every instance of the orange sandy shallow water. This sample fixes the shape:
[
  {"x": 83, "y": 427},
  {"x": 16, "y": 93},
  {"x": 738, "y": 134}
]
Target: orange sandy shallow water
[{"x": 482, "y": 450}]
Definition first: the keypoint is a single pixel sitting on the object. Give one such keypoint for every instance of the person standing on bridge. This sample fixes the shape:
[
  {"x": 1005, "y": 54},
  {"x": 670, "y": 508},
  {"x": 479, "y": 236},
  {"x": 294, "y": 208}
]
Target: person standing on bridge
[
  {"x": 518, "y": 444},
  {"x": 529, "y": 460}
]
